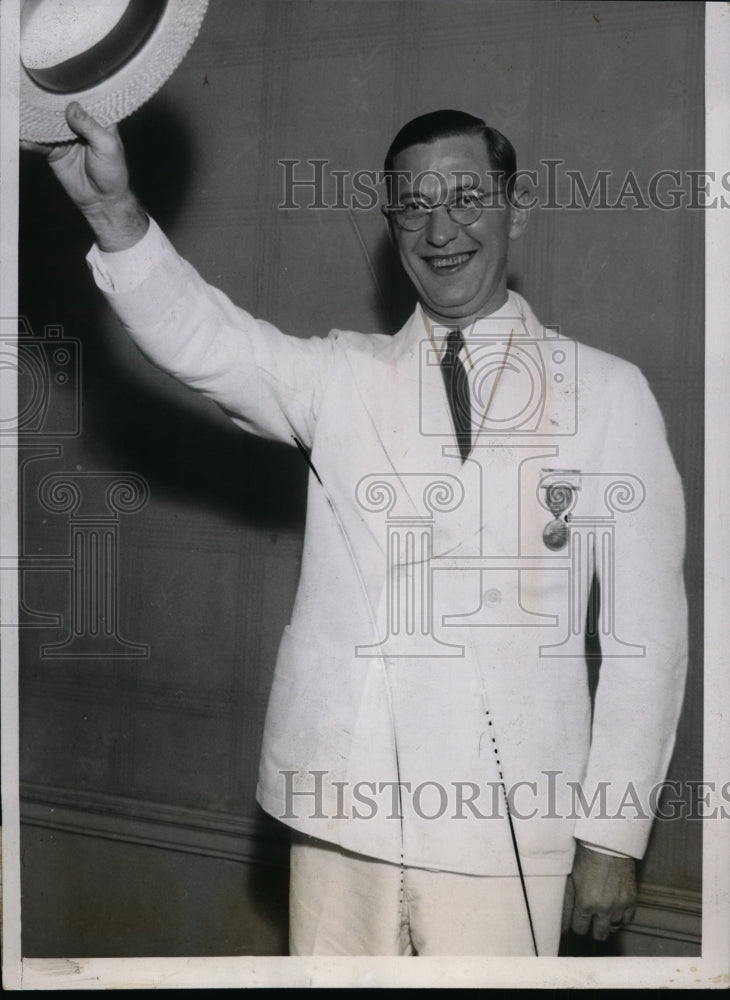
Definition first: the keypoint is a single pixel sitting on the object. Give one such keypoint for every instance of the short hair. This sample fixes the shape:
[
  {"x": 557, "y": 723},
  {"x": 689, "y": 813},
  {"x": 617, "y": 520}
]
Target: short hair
[{"x": 446, "y": 124}]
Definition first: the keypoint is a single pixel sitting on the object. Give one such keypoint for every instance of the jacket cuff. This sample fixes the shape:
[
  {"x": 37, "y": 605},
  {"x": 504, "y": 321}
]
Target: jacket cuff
[
  {"x": 125, "y": 270},
  {"x": 603, "y": 850}
]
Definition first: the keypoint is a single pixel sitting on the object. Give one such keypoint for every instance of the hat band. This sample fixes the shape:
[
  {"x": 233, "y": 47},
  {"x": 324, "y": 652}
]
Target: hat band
[{"x": 102, "y": 60}]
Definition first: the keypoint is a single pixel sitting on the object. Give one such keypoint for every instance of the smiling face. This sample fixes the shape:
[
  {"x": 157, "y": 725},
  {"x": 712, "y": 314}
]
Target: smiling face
[{"x": 459, "y": 271}]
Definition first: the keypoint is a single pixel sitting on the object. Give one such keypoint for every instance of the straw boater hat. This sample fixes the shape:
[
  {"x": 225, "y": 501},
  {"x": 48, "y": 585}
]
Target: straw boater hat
[{"x": 110, "y": 55}]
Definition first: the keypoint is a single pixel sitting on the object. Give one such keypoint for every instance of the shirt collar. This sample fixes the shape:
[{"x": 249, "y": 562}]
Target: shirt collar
[{"x": 498, "y": 326}]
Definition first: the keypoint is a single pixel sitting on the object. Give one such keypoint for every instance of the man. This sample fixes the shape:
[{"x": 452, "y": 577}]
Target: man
[{"x": 429, "y": 736}]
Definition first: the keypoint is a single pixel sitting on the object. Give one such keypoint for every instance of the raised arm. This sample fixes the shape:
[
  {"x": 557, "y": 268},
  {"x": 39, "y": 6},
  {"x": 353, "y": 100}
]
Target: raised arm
[{"x": 269, "y": 383}]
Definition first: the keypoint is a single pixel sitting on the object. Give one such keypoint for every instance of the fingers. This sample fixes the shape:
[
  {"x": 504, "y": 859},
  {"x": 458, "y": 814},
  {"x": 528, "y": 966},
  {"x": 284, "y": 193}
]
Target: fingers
[
  {"x": 53, "y": 151},
  {"x": 629, "y": 913},
  {"x": 581, "y": 922},
  {"x": 84, "y": 127},
  {"x": 35, "y": 147},
  {"x": 601, "y": 925},
  {"x": 87, "y": 128}
]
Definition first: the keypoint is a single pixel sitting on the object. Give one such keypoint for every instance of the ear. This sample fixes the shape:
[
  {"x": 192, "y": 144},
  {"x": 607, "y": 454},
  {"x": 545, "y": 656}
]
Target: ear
[{"x": 521, "y": 204}]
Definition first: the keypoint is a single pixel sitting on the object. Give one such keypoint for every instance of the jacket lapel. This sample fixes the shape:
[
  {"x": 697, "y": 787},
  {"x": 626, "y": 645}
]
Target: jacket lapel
[{"x": 408, "y": 436}]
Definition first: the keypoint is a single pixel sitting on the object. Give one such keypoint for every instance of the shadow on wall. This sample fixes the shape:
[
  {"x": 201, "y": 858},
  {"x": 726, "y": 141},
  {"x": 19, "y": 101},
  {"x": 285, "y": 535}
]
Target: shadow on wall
[{"x": 182, "y": 447}]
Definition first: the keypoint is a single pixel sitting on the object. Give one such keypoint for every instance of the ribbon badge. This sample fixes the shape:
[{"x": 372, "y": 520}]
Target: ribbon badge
[{"x": 561, "y": 488}]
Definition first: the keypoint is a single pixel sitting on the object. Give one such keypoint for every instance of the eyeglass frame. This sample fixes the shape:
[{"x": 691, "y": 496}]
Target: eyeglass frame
[{"x": 396, "y": 213}]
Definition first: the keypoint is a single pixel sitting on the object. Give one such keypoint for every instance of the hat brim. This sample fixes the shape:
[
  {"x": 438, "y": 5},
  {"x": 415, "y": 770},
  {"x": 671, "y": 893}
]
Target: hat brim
[{"x": 42, "y": 111}]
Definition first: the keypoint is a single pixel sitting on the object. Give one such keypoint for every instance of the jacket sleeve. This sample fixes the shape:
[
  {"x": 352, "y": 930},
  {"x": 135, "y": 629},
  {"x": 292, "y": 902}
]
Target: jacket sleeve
[
  {"x": 268, "y": 382},
  {"x": 643, "y": 626}
]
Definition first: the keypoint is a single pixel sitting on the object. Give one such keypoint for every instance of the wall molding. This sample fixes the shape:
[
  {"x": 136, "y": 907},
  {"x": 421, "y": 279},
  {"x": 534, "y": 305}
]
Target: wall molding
[
  {"x": 154, "y": 824},
  {"x": 663, "y": 912},
  {"x": 668, "y": 913}
]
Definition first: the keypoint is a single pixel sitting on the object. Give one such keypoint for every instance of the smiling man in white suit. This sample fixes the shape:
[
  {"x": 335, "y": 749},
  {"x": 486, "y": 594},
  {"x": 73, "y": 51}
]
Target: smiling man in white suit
[{"x": 478, "y": 486}]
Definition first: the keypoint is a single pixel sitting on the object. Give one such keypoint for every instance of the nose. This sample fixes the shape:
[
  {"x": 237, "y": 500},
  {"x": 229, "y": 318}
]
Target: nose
[{"x": 440, "y": 228}]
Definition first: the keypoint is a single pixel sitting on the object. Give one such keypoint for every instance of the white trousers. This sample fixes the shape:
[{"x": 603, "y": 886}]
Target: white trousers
[{"x": 342, "y": 903}]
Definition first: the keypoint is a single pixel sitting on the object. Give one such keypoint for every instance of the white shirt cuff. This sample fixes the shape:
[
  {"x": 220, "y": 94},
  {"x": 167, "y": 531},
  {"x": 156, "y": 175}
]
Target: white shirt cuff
[
  {"x": 123, "y": 270},
  {"x": 603, "y": 850}
]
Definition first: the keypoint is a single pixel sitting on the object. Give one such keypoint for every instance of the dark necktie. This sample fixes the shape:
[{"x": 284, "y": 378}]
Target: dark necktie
[{"x": 457, "y": 391}]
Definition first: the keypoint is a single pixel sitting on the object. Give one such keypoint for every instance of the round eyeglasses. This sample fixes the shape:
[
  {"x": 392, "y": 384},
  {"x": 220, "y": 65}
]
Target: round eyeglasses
[{"x": 464, "y": 210}]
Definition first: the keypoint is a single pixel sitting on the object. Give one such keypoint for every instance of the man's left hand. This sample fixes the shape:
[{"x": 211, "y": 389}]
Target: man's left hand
[{"x": 601, "y": 893}]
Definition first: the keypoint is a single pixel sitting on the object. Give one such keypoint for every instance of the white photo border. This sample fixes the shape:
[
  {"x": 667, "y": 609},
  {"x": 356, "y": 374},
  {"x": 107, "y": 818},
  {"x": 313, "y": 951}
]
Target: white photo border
[{"x": 711, "y": 970}]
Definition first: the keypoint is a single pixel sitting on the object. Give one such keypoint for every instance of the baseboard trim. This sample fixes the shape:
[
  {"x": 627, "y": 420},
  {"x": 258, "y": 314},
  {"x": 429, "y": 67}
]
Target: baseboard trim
[
  {"x": 172, "y": 827},
  {"x": 663, "y": 912}
]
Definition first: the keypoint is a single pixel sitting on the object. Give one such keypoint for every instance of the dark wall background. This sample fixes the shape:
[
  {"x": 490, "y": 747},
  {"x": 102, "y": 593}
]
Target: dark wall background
[{"x": 141, "y": 834}]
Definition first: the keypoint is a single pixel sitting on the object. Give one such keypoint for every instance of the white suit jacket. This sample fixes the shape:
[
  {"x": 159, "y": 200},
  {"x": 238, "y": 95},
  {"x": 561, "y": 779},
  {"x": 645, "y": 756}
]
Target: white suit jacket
[{"x": 430, "y": 702}]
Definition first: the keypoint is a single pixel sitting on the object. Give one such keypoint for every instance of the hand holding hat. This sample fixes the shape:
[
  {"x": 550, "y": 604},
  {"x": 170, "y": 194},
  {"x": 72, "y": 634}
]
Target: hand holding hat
[{"x": 94, "y": 174}]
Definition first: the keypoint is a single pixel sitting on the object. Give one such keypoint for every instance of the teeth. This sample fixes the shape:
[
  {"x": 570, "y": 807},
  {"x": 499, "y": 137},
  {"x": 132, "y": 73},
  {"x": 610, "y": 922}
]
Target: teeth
[{"x": 460, "y": 258}]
